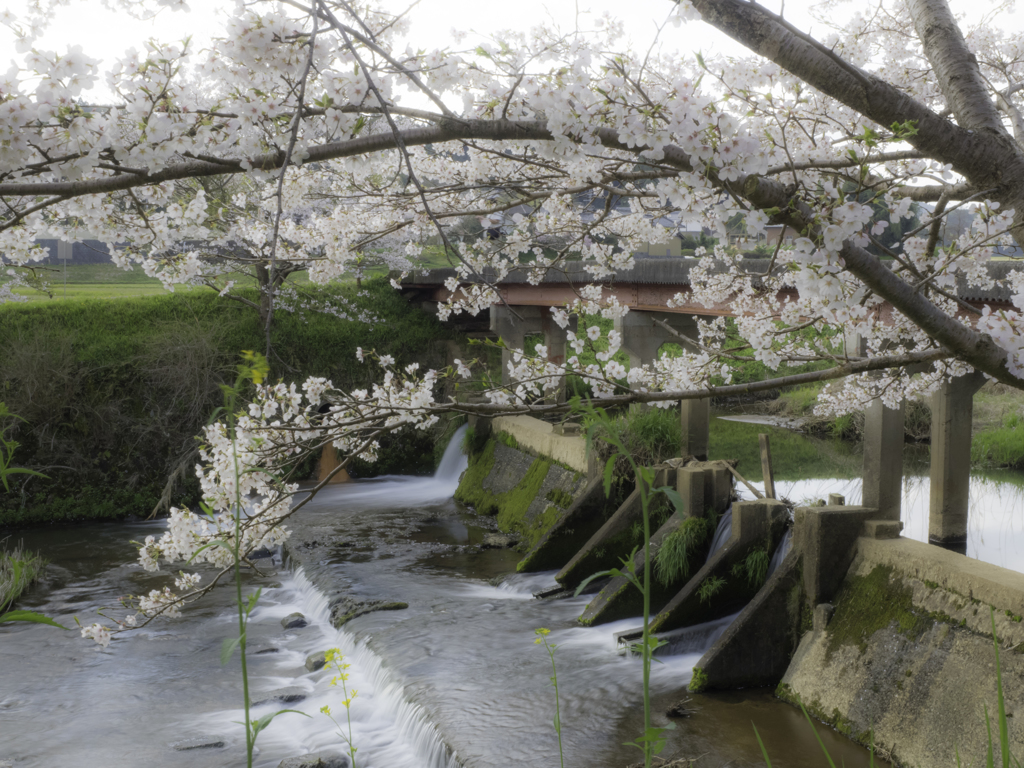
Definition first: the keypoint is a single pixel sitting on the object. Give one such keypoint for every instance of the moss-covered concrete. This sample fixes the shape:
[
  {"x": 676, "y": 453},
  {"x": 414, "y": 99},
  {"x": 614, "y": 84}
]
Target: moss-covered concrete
[
  {"x": 517, "y": 488},
  {"x": 911, "y": 660},
  {"x": 866, "y": 604},
  {"x": 756, "y": 648},
  {"x": 753, "y": 522},
  {"x": 573, "y": 528}
]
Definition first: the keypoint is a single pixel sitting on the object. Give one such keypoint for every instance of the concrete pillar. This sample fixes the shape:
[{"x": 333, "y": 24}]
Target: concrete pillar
[
  {"x": 690, "y": 485},
  {"x": 556, "y": 340},
  {"x": 952, "y": 415},
  {"x": 513, "y": 330},
  {"x": 883, "y": 448},
  {"x": 642, "y": 337},
  {"x": 695, "y": 420},
  {"x": 883, "y": 459}
]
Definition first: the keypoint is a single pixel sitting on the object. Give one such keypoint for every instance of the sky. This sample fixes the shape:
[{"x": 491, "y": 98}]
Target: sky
[{"x": 106, "y": 34}]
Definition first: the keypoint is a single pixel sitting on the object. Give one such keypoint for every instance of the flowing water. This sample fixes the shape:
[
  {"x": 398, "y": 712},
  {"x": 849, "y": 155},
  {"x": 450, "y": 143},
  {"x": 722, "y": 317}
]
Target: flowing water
[
  {"x": 454, "y": 680},
  {"x": 722, "y": 532}
]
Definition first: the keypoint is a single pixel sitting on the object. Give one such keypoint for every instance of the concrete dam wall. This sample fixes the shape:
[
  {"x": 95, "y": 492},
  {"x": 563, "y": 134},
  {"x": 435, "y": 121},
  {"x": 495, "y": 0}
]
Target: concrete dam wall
[{"x": 889, "y": 640}]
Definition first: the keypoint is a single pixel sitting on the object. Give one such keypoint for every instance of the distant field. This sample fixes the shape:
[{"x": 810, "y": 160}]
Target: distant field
[{"x": 108, "y": 281}]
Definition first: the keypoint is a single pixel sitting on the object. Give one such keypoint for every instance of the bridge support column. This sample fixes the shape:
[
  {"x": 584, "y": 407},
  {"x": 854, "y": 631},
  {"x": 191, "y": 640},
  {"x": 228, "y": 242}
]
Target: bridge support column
[
  {"x": 695, "y": 419},
  {"x": 883, "y": 448},
  {"x": 952, "y": 416},
  {"x": 513, "y": 330},
  {"x": 556, "y": 340},
  {"x": 642, "y": 337},
  {"x": 883, "y": 459}
]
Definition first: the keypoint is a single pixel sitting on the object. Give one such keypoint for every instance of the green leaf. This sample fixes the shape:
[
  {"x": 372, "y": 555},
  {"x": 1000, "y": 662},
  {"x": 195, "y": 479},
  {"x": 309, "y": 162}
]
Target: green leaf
[
  {"x": 589, "y": 579},
  {"x": 817, "y": 736},
  {"x": 675, "y": 498},
  {"x": 609, "y": 470},
  {"x": 227, "y": 648},
  {"x": 30, "y": 617},
  {"x": 253, "y": 599},
  {"x": 263, "y": 722},
  {"x": 764, "y": 752},
  {"x": 1004, "y": 737}
]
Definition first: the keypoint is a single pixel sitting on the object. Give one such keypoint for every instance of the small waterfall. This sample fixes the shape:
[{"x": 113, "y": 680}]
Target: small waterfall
[
  {"x": 781, "y": 551},
  {"x": 454, "y": 461},
  {"x": 391, "y": 490},
  {"x": 389, "y": 730},
  {"x": 693, "y": 640},
  {"x": 722, "y": 533},
  {"x": 405, "y": 722}
]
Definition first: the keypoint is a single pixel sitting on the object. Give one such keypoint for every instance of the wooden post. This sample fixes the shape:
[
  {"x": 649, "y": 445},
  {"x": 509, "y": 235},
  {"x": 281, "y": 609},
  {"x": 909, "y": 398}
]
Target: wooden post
[{"x": 766, "y": 467}]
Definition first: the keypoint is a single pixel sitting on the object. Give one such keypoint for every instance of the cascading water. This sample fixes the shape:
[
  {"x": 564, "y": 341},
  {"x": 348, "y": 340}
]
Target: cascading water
[
  {"x": 781, "y": 551},
  {"x": 454, "y": 461},
  {"x": 722, "y": 533},
  {"x": 456, "y": 672}
]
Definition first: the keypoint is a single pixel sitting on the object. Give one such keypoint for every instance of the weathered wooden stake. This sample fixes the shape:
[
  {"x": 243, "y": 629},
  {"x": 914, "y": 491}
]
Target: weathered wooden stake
[{"x": 766, "y": 467}]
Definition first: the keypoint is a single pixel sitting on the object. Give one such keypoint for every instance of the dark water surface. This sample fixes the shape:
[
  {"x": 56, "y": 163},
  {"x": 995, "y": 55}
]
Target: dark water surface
[{"x": 458, "y": 667}]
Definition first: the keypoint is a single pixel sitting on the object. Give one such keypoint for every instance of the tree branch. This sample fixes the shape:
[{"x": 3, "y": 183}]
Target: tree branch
[{"x": 955, "y": 67}]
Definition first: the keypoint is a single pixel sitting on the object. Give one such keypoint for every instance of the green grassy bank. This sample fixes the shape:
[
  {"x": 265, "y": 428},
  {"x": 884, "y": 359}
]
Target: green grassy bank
[
  {"x": 998, "y": 422},
  {"x": 114, "y": 392}
]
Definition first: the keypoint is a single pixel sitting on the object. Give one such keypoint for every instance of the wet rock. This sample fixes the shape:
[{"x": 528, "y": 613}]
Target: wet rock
[
  {"x": 53, "y": 577},
  {"x": 208, "y": 742},
  {"x": 344, "y": 609},
  {"x": 316, "y": 661},
  {"x": 498, "y": 541},
  {"x": 682, "y": 708},
  {"x": 294, "y": 621},
  {"x": 283, "y": 695},
  {"x": 261, "y": 553},
  {"x": 259, "y": 650},
  {"x": 315, "y": 760}
]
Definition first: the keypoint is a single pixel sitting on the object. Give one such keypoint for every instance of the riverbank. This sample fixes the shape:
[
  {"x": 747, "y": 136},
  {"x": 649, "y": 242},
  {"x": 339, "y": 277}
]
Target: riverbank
[
  {"x": 113, "y": 393},
  {"x": 998, "y": 427}
]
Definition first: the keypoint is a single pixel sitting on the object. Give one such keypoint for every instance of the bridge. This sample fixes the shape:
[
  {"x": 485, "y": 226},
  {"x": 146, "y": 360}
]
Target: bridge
[{"x": 646, "y": 289}]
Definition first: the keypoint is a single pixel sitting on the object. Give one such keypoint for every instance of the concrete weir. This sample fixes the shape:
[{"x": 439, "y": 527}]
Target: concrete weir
[{"x": 885, "y": 638}]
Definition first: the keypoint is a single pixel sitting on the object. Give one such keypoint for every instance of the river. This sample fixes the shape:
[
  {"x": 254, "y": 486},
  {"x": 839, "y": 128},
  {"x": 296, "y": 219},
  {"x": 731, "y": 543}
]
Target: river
[{"x": 454, "y": 680}]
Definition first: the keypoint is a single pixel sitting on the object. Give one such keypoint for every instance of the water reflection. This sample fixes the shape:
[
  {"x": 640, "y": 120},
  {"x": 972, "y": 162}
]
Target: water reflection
[{"x": 807, "y": 469}]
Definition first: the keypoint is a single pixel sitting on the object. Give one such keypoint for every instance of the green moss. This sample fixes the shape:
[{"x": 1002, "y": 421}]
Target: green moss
[
  {"x": 557, "y": 496},
  {"x": 541, "y": 524},
  {"x": 869, "y": 603},
  {"x": 699, "y": 681},
  {"x": 506, "y": 439},
  {"x": 510, "y": 507}
]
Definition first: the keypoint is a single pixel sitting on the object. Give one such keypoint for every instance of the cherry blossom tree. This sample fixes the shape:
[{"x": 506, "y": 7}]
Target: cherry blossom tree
[{"x": 385, "y": 146}]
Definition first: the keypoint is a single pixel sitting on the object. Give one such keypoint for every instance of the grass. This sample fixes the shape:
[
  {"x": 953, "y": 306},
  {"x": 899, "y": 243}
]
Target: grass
[
  {"x": 76, "y": 282},
  {"x": 650, "y": 434},
  {"x": 1002, "y": 446},
  {"x": 18, "y": 569},
  {"x": 114, "y": 392},
  {"x": 673, "y": 559}
]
